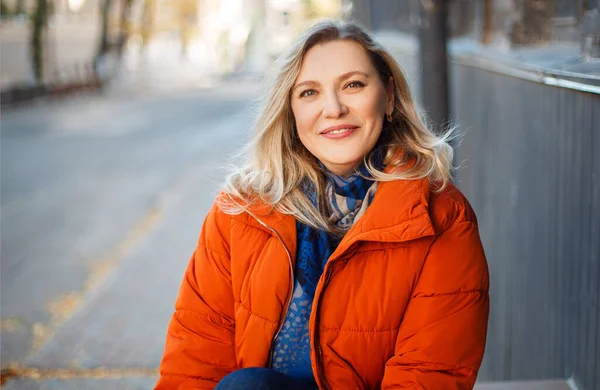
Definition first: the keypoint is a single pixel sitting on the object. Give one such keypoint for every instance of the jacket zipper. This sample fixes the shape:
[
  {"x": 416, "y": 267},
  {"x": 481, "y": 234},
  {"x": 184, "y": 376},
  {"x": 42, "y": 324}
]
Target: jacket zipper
[
  {"x": 289, "y": 300},
  {"x": 320, "y": 368},
  {"x": 290, "y": 290}
]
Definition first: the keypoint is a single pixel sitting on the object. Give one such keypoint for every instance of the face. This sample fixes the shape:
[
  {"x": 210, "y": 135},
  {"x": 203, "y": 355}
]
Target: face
[{"x": 339, "y": 104}]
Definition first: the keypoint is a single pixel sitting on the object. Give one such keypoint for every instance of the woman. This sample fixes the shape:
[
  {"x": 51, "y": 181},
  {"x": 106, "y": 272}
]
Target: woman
[{"x": 340, "y": 256}]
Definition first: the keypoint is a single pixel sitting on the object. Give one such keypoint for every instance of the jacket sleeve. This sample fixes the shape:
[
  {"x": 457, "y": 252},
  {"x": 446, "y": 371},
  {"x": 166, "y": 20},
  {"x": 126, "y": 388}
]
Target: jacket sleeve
[
  {"x": 441, "y": 339},
  {"x": 199, "y": 349}
]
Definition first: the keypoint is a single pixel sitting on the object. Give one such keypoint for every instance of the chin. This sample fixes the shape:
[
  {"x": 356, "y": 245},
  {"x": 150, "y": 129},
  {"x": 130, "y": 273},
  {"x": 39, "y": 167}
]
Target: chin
[
  {"x": 345, "y": 165},
  {"x": 344, "y": 159}
]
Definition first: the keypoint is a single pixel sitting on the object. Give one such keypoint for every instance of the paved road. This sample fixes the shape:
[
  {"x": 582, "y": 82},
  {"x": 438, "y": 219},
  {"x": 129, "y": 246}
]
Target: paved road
[{"x": 102, "y": 201}]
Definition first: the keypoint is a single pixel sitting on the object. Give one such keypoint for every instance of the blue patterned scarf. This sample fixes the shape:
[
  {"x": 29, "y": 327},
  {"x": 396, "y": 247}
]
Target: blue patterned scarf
[{"x": 347, "y": 200}]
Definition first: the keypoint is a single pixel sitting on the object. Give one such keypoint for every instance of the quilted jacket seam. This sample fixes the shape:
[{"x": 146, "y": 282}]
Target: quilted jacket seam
[
  {"x": 257, "y": 315},
  {"x": 390, "y": 229},
  {"x": 189, "y": 377},
  {"x": 462, "y": 208},
  {"x": 326, "y": 329},
  {"x": 218, "y": 319},
  {"x": 432, "y": 294},
  {"x": 253, "y": 224},
  {"x": 214, "y": 252},
  {"x": 460, "y": 219},
  {"x": 444, "y": 367},
  {"x": 195, "y": 377},
  {"x": 396, "y": 245}
]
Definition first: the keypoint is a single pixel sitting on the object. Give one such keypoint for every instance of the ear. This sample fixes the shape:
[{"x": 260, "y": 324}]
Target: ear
[{"x": 389, "y": 103}]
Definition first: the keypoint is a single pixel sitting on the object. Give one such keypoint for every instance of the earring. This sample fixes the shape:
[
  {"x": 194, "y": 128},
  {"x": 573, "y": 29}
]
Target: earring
[{"x": 389, "y": 117}]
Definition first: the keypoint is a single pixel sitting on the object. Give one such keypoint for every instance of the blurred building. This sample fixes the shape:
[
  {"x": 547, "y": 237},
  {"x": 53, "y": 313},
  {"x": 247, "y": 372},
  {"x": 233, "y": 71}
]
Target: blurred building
[
  {"x": 69, "y": 48},
  {"x": 288, "y": 18},
  {"x": 213, "y": 37}
]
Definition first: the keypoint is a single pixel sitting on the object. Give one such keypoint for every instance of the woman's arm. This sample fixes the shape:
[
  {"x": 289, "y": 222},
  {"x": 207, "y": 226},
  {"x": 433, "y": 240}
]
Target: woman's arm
[
  {"x": 200, "y": 340},
  {"x": 441, "y": 340}
]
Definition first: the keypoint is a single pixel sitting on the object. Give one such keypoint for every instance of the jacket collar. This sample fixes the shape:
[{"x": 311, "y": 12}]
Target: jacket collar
[{"x": 398, "y": 213}]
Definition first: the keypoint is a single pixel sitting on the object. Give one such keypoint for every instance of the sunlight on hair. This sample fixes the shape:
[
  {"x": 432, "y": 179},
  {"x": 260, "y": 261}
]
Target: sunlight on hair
[{"x": 276, "y": 162}]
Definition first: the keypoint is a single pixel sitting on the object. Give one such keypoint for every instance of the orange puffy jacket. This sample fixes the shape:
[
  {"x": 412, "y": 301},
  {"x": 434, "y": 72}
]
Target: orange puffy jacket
[{"x": 402, "y": 303}]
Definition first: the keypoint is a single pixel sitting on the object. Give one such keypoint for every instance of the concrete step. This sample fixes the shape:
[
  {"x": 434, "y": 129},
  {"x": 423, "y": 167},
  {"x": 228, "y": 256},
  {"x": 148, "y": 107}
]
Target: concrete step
[{"x": 525, "y": 385}]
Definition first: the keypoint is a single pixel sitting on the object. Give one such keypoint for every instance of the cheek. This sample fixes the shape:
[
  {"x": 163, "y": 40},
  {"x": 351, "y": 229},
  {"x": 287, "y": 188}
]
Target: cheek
[
  {"x": 306, "y": 138},
  {"x": 304, "y": 118},
  {"x": 371, "y": 107},
  {"x": 379, "y": 106}
]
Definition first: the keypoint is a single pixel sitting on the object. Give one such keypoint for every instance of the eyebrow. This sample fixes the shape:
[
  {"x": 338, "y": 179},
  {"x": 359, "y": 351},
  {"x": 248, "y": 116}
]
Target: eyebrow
[{"x": 342, "y": 77}]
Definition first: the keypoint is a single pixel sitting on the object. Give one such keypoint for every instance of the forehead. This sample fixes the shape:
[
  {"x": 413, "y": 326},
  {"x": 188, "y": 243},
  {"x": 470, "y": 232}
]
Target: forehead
[{"x": 334, "y": 58}]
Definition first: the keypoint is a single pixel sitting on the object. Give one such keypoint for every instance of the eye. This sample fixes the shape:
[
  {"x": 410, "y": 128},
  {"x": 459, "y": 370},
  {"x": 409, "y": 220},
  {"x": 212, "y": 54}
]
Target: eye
[
  {"x": 308, "y": 92},
  {"x": 355, "y": 84}
]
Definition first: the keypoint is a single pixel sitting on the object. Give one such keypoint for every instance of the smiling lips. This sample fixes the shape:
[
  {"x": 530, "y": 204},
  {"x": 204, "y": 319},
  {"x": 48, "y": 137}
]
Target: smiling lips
[{"x": 336, "y": 132}]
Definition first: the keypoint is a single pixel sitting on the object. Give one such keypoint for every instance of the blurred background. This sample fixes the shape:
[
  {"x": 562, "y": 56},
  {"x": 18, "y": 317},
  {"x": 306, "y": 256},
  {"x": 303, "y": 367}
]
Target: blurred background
[{"x": 118, "y": 115}]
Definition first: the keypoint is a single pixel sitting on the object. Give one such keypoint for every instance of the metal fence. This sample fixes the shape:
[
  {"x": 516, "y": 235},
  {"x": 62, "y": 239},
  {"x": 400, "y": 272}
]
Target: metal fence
[{"x": 530, "y": 159}]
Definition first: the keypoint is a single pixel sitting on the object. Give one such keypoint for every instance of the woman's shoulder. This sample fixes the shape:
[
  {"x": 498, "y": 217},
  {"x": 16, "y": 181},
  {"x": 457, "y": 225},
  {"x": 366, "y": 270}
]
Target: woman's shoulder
[
  {"x": 225, "y": 210},
  {"x": 228, "y": 210},
  {"x": 449, "y": 207}
]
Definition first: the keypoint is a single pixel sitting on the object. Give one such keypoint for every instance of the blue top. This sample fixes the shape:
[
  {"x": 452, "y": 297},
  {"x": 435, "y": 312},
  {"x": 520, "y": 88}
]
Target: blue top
[{"x": 291, "y": 353}]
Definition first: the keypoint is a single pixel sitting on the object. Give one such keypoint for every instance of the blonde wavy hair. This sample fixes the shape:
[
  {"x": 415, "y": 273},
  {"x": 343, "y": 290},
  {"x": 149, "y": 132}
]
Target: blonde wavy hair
[{"x": 277, "y": 163}]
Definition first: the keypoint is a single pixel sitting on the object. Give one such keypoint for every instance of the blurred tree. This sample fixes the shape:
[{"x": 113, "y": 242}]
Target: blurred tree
[
  {"x": 39, "y": 22},
  {"x": 7, "y": 12},
  {"x": 104, "y": 44},
  {"x": 148, "y": 11},
  {"x": 20, "y": 7},
  {"x": 187, "y": 15},
  {"x": 124, "y": 24},
  {"x": 4, "y": 10}
]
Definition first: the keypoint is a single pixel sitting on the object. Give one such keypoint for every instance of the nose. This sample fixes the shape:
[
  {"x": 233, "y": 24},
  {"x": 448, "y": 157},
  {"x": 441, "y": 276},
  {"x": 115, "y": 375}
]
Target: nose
[{"x": 334, "y": 107}]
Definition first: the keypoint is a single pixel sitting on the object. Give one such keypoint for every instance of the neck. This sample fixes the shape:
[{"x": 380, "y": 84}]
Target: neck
[{"x": 342, "y": 172}]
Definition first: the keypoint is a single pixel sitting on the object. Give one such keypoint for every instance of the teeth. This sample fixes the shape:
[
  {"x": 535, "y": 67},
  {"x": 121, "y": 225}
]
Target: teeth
[{"x": 338, "y": 131}]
